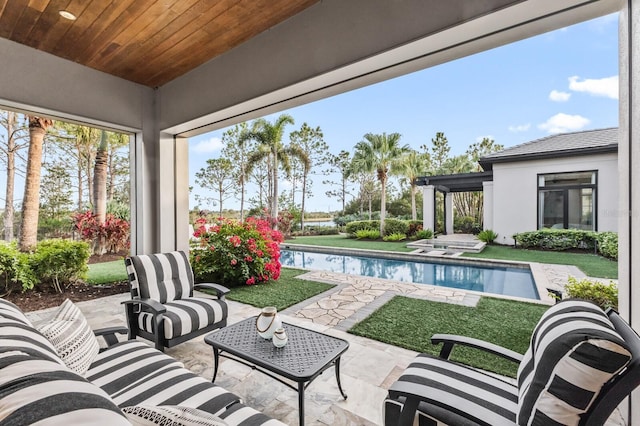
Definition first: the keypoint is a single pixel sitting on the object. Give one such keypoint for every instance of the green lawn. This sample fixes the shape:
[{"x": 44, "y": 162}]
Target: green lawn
[
  {"x": 286, "y": 291},
  {"x": 410, "y": 323},
  {"x": 591, "y": 264},
  {"x": 342, "y": 241},
  {"x": 107, "y": 272}
]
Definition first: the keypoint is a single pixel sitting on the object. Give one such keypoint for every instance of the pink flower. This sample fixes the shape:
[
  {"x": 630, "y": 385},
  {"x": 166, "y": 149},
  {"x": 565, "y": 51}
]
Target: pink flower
[
  {"x": 251, "y": 281},
  {"x": 234, "y": 262},
  {"x": 248, "y": 259}
]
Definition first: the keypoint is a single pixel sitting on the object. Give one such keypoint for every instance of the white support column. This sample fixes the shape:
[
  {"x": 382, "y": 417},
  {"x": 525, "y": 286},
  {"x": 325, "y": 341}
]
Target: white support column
[
  {"x": 448, "y": 211},
  {"x": 182, "y": 193},
  {"x": 428, "y": 207},
  {"x": 166, "y": 187},
  {"x": 629, "y": 174},
  {"x": 487, "y": 205}
]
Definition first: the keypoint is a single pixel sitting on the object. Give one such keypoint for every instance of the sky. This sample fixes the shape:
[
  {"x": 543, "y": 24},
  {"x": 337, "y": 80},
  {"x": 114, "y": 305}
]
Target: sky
[{"x": 558, "y": 82}]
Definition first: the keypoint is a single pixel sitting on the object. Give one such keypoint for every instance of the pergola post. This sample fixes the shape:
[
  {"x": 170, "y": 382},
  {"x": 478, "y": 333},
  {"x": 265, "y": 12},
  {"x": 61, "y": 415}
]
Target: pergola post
[
  {"x": 429, "y": 207},
  {"x": 487, "y": 205},
  {"x": 448, "y": 213}
]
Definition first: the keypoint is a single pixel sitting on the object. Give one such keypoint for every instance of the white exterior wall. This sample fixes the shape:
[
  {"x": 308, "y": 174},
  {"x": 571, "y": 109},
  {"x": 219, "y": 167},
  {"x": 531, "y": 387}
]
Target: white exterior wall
[{"x": 515, "y": 192}]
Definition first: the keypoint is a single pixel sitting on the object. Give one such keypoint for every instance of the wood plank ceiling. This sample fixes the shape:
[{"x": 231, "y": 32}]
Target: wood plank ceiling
[{"x": 150, "y": 42}]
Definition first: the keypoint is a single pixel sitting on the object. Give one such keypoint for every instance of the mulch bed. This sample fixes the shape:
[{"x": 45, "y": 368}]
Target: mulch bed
[{"x": 47, "y": 297}]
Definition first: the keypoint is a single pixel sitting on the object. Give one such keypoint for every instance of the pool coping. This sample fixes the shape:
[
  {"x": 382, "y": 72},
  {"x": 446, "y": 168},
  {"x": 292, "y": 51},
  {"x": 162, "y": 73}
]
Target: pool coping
[{"x": 540, "y": 278}]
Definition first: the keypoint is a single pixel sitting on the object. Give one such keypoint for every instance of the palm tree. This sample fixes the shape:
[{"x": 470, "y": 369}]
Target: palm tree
[
  {"x": 412, "y": 166},
  {"x": 270, "y": 148},
  {"x": 379, "y": 153},
  {"x": 31, "y": 201},
  {"x": 100, "y": 189}
]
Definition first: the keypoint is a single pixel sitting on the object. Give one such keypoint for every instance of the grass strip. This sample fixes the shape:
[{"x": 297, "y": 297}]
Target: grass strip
[
  {"x": 286, "y": 291},
  {"x": 107, "y": 272},
  {"x": 343, "y": 241},
  {"x": 591, "y": 264},
  {"x": 410, "y": 323}
]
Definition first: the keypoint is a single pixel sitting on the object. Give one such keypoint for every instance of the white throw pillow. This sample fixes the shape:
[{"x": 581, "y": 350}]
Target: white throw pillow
[
  {"x": 170, "y": 415},
  {"x": 72, "y": 337}
]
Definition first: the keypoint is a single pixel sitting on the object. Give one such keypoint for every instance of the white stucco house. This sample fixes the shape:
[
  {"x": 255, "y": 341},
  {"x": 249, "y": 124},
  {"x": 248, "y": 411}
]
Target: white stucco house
[{"x": 564, "y": 181}]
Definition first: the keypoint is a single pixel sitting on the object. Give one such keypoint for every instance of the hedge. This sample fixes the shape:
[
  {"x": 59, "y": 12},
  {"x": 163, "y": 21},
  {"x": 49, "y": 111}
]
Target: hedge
[
  {"x": 362, "y": 225},
  {"x": 606, "y": 243}
]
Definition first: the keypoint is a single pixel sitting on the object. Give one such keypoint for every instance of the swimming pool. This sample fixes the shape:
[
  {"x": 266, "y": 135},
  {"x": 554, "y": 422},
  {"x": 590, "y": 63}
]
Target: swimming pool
[{"x": 508, "y": 281}]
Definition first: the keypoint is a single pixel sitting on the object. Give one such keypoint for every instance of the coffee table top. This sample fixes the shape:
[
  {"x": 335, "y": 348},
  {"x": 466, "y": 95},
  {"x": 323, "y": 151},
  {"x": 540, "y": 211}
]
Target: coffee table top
[{"x": 306, "y": 353}]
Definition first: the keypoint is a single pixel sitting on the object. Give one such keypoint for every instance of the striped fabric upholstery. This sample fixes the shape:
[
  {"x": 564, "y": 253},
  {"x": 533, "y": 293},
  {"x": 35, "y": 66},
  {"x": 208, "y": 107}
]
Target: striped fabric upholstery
[
  {"x": 186, "y": 316},
  {"x": 44, "y": 392},
  {"x": 17, "y": 333},
  {"x": 135, "y": 374},
  {"x": 455, "y": 394},
  {"x": 163, "y": 277},
  {"x": 574, "y": 351}
]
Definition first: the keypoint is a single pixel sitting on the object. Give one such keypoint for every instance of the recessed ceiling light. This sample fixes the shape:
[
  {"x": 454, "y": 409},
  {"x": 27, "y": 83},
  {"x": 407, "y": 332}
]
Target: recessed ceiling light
[{"x": 67, "y": 15}]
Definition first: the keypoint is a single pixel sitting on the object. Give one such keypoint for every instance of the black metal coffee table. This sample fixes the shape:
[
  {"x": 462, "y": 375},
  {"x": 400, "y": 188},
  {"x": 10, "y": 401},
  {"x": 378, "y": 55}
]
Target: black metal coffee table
[{"x": 307, "y": 354}]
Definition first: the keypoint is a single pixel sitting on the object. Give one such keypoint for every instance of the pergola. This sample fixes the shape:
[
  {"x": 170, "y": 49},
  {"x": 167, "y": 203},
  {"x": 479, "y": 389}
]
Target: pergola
[{"x": 168, "y": 70}]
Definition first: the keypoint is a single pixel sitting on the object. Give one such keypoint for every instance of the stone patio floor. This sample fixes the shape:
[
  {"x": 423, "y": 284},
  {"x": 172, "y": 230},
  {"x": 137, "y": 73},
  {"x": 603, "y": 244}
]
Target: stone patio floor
[{"x": 368, "y": 367}]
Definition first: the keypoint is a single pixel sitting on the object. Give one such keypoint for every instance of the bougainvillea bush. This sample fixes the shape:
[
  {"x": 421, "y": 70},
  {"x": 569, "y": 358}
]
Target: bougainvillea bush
[{"x": 235, "y": 253}]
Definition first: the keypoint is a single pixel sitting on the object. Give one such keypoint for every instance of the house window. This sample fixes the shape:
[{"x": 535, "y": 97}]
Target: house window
[{"x": 567, "y": 200}]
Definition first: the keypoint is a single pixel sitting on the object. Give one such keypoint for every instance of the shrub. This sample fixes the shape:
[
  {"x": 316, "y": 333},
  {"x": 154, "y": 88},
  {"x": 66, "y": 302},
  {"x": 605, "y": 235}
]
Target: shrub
[
  {"x": 607, "y": 244},
  {"x": 424, "y": 234},
  {"x": 367, "y": 234},
  {"x": 414, "y": 227},
  {"x": 60, "y": 262},
  {"x": 359, "y": 225},
  {"x": 487, "y": 236},
  {"x": 15, "y": 271},
  {"x": 466, "y": 225},
  {"x": 235, "y": 253},
  {"x": 395, "y": 226},
  {"x": 556, "y": 239},
  {"x": 604, "y": 295},
  {"x": 395, "y": 237},
  {"x": 113, "y": 235}
]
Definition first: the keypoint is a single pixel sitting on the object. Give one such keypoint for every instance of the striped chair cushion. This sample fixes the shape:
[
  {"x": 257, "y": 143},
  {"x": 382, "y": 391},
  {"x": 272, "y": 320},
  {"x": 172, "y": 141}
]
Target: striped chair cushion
[
  {"x": 186, "y": 315},
  {"x": 135, "y": 374},
  {"x": 162, "y": 277},
  {"x": 72, "y": 337},
  {"x": 574, "y": 351},
  {"x": 10, "y": 311},
  {"x": 39, "y": 391},
  {"x": 16, "y": 335},
  {"x": 456, "y": 394},
  {"x": 170, "y": 415}
]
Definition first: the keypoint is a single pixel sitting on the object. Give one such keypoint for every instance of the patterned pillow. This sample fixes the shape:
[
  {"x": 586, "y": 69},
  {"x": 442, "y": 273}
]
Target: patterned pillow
[
  {"x": 72, "y": 337},
  {"x": 170, "y": 415},
  {"x": 574, "y": 352}
]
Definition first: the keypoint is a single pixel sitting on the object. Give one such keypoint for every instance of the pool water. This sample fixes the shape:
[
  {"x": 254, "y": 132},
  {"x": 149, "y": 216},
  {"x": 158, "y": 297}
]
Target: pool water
[{"x": 487, "y": 279}]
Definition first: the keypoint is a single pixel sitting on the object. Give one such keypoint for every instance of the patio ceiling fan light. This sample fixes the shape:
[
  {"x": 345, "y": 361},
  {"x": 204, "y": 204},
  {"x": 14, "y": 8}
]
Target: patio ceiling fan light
[{"x": 67, "y": 15}]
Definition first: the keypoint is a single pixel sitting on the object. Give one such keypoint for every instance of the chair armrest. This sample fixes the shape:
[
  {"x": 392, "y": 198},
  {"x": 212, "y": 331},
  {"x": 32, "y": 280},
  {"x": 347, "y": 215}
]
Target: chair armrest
[
  {"x": 219, "y": 289},
  {"x": 155, "y": 306},
  {"x": 109, "y": 334},
  {"x": 449, "y": 340}
]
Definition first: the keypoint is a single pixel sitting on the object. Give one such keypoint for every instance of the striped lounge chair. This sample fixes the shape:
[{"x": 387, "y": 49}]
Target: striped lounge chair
[
  {"x": 163, "y": 308},
  {"x": 581, "y": 364}
]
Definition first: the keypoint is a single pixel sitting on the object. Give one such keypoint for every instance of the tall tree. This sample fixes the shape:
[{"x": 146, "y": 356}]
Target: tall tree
[
  {"x": 439, "y": 152},
  {"x": 412, "y": 166},
  {"x": 31, "y": 201},
  {"x": 341, "y": 164},
  {"x": 310, "y": 141},
  {"x": 100, "y": 190},
  {"x": 219, "y": 177},
  {"x": 270, "y": 147},
  {"x": 11, "y": 142},
  {"x": 117, "y": 164},
  {"x": 379, "y": 153},
  {"x": 237, "y": 152},
  {"x": 480, "y": 149},
  {"x": 55, "y": 191}
]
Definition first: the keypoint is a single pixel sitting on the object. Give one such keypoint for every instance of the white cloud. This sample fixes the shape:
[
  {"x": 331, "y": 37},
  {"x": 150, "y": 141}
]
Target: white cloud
[
  {"x": 558, "y": 96},
  {"x": 209, "y": 145},
  {"x": 607, "y": 86},
  {"x": 519, "y": 128},
  {"x": 561, "y": 123}
]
